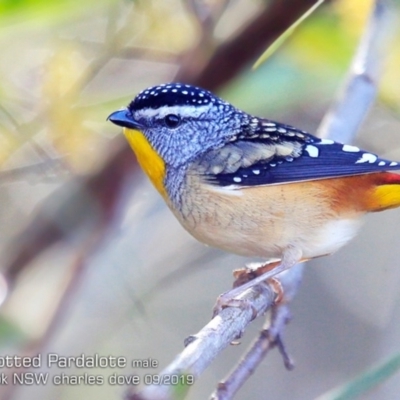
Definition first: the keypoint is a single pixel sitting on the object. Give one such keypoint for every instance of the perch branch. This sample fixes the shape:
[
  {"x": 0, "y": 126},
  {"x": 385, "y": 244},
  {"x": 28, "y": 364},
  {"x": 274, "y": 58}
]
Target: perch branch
[
  {"x": 203, "y": 347},
  {"x": 344, "y": 118},
  {"x": 269, "y": 337}
]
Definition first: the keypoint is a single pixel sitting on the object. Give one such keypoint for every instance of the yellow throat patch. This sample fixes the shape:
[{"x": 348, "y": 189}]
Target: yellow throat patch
[{"x": 149, "y": 160}]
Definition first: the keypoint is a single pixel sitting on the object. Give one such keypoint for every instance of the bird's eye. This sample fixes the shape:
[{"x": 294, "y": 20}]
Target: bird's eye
[{"x": 172, "y": 120}]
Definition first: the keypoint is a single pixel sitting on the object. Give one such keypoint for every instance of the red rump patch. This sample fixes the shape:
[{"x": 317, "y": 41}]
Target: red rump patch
[{"x": 389, "y": 178}]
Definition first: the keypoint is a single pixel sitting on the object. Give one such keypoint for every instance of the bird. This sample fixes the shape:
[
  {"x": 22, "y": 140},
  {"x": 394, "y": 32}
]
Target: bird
[{"x": 249, "y": 185}]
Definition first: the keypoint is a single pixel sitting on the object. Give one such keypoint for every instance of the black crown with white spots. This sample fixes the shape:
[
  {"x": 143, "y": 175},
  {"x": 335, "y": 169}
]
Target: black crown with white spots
[{"x": 172, "y": 94}]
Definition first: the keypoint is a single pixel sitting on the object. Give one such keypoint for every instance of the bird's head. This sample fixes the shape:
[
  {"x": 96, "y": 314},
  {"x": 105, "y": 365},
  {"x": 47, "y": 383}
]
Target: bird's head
[{"x": 177, "y": 123}]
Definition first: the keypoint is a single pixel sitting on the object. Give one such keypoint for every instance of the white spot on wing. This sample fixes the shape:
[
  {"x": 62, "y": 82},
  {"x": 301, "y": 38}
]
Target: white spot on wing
[
  {"x": 256, "y": 171},
  {"x": 312, "y": 151},
  {"x": 326, "y": 141},
  {"x": 237, "y": 179},
  {"x": 393, "y": 163},
  {"x": 350, "y": 149},
  {"x": 367, "y": 158},
  {"x": 381, "y": 163}
]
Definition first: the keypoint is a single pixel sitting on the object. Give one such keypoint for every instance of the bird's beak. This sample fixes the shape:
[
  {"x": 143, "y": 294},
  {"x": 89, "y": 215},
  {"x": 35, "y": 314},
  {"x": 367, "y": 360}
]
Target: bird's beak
[{"x": 125, "y": 119}]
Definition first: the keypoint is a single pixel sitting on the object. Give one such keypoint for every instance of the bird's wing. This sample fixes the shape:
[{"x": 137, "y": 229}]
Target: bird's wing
[{"x": 273, "y": 153}]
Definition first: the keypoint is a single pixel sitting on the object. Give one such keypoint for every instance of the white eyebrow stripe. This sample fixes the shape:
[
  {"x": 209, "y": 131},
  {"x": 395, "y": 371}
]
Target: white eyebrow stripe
[{"x": 188, "y": 110}]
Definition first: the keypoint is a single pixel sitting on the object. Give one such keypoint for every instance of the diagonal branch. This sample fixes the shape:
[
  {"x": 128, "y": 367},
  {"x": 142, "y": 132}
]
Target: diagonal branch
[
  {"x": 346, "y": 115},
  {"x": 269, "y": 337},
  {"x": 203, "y": 347},
  {"x": 234, "y": 54}
]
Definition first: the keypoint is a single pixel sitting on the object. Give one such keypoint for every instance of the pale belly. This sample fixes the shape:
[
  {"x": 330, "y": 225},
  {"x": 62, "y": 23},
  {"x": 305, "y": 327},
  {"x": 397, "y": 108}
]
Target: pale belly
[
  {"x": 263, "y": 222},
  {"x": 263, "y": 242}
]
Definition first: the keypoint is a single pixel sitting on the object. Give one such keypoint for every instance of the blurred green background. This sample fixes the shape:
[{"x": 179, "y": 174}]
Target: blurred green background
[{"x": 95, "y": 263}]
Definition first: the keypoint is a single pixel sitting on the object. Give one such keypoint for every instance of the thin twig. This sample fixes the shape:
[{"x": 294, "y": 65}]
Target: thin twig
[
  {"x": 206, "y": 14},
  {"x": 224, "y": 328},
  {"x": 233, "y": 55},
  {"x": 48, "y": 171},
  {"x": 203, "y": 13},
  {"x": 203, "y": 347},
  {"x": 22, "y": 134},
  {"x": 343, "y": 120},
  {"x": 269, "y": 337}
]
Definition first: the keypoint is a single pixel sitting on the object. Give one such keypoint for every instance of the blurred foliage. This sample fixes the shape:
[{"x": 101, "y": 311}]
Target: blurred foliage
[
  {"x": 10, "y": 335},
  {"x": 285, "y": 35},
  {"x": 365, "y": 382},
  {"x": 36, "y": 11}
]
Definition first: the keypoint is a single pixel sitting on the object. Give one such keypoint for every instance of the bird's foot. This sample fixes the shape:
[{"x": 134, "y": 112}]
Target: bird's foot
[{"x": 250, "y": 277}]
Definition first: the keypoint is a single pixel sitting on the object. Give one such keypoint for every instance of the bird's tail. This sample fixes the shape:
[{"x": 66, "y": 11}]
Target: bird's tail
[{"x": 385, "y": 193}]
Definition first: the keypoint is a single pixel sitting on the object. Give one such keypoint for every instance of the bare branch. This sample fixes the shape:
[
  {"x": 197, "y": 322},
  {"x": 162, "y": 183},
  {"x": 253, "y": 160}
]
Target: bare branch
[
  {"x": 130, "y": 52},
  {"x": 19, "y": 130},
  {"x": 203, "y": 347},
  {"x": 269, "y": 337},
  {"x": 206, "y": 14},
  {"x": 343, "y": 120},
  {"x": 48, "y": 171},
  {"x": 234, "y": 54},
  {"x": 203, "y": 14}
]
